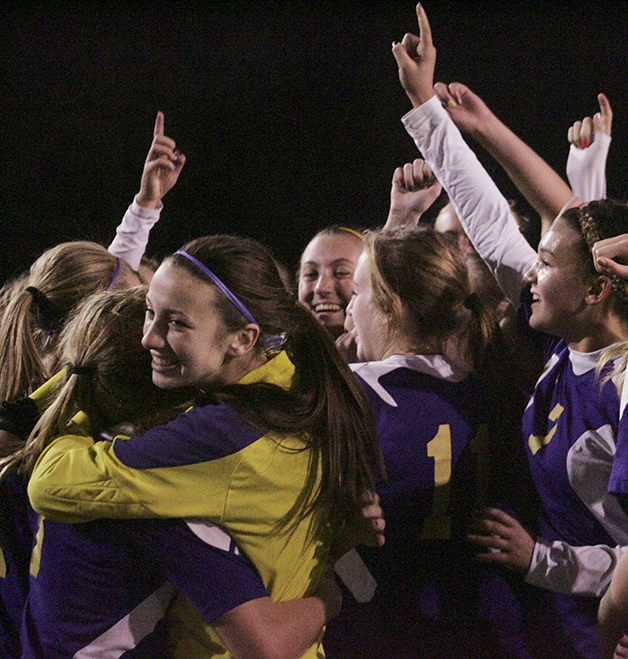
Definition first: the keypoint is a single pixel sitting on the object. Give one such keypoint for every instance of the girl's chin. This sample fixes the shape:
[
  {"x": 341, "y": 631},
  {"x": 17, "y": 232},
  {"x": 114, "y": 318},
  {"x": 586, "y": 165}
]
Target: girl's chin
[{"x": 165, "y": 382}]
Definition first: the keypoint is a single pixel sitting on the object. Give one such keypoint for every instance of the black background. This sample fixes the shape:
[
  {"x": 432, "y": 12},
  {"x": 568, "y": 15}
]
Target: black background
[{"x": 288, "y": 112}]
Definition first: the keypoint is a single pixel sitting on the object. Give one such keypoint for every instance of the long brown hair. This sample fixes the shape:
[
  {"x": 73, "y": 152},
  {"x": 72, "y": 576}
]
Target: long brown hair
[{"x": 325, "y": 404}]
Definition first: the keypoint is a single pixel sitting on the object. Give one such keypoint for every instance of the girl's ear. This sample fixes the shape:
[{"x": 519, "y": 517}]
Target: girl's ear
[
  {"x": 599, "y": 289},
  {"x": 244, "y": 340}
]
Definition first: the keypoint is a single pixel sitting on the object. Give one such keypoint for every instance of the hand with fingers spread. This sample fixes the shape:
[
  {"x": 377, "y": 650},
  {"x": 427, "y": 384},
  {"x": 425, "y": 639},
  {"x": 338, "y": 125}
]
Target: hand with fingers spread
[
  {"x": 590, "y": 141},
  {"x": 582, "y": 133},
  {"x": 414, "y": 189},
  {"x": 416, "y": 59},
  {"x": 162, "y": 168},
  {"x": 507, "y": 542},
  {"x": 610, "y": 256}
]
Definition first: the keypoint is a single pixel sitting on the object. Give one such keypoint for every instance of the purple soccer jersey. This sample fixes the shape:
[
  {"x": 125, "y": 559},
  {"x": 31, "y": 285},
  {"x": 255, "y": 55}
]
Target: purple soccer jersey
[
  {"x": 570, "y": 431},
  {"x": 618, "y": 483},
  {"x": 102, "y": 588},
  {"x": 16, "y": 540},
  {"x": 429, "y": 596}
]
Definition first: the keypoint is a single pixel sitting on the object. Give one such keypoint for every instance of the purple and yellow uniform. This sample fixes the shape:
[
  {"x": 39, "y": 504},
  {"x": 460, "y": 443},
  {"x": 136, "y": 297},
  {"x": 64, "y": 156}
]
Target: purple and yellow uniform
[
  {"x": 103, "y": 588},
  {"x": 422, "y": 594},
  {"x": 16, "y": 542},
  {"x": 209, "y": 462},
  {"x": 570, "y": 429}
]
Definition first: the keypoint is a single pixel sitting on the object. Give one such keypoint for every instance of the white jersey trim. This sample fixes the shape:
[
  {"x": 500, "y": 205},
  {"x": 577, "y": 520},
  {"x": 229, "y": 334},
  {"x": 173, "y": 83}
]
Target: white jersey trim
[
  {"x": 436, "y": 365},
  {"x": 212, "y": 535},
  {"x": 127, "y": 633}
]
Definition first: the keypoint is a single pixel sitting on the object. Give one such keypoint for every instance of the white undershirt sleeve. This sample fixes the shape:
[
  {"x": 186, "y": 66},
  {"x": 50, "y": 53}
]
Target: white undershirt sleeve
[
  {"x": 586, "y": 168},
  {"x": 132, "y": 233},
  {"x": 483, "y": 211},
  {"x": 573, "y": 570}
]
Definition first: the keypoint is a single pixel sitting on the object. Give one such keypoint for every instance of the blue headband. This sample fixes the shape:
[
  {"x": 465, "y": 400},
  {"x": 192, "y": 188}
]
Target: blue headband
[
  {"x": 115, "y": 275},
  {"x": 230, "y": 296}
]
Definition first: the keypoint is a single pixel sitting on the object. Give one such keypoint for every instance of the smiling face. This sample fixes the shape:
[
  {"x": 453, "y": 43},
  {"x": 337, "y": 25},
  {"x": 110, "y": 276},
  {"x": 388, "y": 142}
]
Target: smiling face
[
  {"x": 326, "y": 277},
  {"x": 183, "y": 330},
  {"x": 559, "y": 283}
]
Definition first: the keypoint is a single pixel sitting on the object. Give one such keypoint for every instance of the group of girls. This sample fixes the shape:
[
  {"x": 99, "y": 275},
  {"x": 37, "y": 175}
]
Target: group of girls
[
  {"x": 279, "y": 450},
  {"x": 240, "y": 503},
  {"x": 570, "y": 316}
]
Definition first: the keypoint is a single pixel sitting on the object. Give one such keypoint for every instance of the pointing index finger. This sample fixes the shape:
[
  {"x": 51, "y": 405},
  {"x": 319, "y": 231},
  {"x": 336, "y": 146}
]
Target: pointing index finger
[
  {"x": 159, "y": 125},
  {"x": 425, "y": 32},
  {"x": 605, "y": 106}
]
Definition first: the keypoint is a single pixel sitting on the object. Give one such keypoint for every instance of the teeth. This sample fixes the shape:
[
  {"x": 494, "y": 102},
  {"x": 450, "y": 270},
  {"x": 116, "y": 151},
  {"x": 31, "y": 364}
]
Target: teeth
[
  {"x": 326, "y": 307},
  {"x": 160, "y": 361}
]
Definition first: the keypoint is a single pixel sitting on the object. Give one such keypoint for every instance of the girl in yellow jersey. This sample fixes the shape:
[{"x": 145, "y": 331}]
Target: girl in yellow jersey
[{"x": 280, "y": 448}]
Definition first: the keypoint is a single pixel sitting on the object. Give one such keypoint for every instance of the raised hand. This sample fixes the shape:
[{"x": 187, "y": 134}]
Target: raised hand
[
  {"x": 414, "y": 189},
  {"x": 467, "y": 109},
  {"x": 582, "y": 133},
  {"x": 162, "y": 168},
  {"x": 507, "y": 542},
  {"x": 416, "y": 59}
]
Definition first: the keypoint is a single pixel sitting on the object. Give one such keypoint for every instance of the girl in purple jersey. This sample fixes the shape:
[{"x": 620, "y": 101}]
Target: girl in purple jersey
[
  {"x": 280, "y": 449},
  {"x": 570, "y": 426},
  {"x": 420, "y": 332}
]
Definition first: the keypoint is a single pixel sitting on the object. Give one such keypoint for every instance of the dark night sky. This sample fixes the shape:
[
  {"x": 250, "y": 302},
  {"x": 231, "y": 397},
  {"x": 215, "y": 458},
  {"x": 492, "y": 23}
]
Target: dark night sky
[{"x": 288, "y": 112}]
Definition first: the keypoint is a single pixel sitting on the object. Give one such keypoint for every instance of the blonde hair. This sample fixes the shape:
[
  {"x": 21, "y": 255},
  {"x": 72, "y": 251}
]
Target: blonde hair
[
  {"x": 619, "y": 352},
  {"x": 108, "y": 373},
  {"x": 421, "y": 281},
  {"x": 58, "y": 280}
]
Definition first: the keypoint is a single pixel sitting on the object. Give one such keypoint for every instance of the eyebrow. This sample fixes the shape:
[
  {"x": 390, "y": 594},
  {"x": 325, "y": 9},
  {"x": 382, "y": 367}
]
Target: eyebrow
[
  {"x": 335, "y": 262},
  {"x": 546, "y": 250}
]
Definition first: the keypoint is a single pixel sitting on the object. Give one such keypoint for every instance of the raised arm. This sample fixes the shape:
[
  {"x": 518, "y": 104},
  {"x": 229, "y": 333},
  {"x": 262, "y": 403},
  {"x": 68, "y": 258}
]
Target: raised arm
[
  {"x": 543, "y": 188},
  {"x": 589, "y": 141},
  {"x": 413, "y": 190},
  {"x": 161, "y": 171},
  {"x": 482, "y": 210}
]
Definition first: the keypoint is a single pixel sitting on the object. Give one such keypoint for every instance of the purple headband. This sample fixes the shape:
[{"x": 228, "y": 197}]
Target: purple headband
[
  {"x": 115, "y": 275},
  {"x": 230, "y": 296}
]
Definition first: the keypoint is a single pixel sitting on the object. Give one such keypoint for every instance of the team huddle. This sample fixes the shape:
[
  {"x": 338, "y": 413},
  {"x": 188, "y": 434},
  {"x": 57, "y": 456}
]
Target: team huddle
[{"x": 418, "y": 448}]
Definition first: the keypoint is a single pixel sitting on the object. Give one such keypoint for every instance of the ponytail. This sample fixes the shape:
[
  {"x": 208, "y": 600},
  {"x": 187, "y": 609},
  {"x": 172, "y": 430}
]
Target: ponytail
[
  {"x": 29, "y": 328},
  {"x": 325, "y": 404},
  {"x": 420, "y": 279}
]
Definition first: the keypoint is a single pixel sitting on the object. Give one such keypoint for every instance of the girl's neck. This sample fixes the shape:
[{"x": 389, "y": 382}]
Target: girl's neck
[{"x": 600, "y": 335}]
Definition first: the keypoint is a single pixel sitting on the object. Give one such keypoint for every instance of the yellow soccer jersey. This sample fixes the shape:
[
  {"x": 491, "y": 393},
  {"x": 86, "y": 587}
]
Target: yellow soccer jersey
[{"x": 210, "y": 464}]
